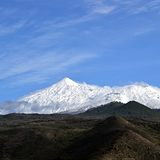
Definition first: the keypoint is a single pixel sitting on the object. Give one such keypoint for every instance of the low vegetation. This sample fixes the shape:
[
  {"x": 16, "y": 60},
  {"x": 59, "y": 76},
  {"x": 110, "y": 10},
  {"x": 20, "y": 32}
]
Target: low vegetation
[{"x": 64, "y": 137}]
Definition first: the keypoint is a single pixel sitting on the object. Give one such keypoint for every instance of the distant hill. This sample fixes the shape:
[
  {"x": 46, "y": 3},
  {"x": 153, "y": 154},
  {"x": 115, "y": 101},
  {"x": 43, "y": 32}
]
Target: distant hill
[
  {"x": 130, "y": 110},
  {"x": 113, "y": 138}
]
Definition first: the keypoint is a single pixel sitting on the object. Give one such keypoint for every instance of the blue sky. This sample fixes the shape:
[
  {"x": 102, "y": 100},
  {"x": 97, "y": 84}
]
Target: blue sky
[{"x": 103, "y": 42}]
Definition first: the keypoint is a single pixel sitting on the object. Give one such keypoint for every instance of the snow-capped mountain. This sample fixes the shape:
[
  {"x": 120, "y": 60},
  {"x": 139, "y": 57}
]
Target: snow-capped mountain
[{"x": 69, "y": 96}]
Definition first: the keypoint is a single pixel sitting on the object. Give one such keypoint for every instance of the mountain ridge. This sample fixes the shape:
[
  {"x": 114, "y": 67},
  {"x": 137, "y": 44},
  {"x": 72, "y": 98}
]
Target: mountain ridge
[
  {"x": 82, "y": 96},
  {"x": 131, "y": 110},
  {"x": 68, "y": 96},
  {"x": 113, "y": 138}
]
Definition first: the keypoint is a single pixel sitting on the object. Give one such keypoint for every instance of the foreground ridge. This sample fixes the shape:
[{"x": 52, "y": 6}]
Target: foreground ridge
[{"x": 66, "y": 137}]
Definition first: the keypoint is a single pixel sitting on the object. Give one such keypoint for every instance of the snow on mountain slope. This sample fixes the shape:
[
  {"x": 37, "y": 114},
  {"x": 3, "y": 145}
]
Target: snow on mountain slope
[{"x": 69, "y": 96}]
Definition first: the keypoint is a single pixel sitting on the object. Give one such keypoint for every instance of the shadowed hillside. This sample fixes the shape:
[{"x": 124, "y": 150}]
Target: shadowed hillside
[
  {"x": 65, "y": 137},
  {"x": 113, "y": 138},
  {"x": 130, "y": 110}
]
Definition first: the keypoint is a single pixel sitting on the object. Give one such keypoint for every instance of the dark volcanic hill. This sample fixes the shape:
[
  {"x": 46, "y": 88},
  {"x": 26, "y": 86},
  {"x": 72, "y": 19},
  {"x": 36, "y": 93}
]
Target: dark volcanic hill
[
  {"x": 130, "y": 110},
  {"x": 113, "y": 138},
  {"x": 65, "y": 137}
]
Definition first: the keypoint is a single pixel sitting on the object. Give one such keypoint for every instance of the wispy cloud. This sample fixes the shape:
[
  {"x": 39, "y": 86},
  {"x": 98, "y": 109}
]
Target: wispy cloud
[
  {"x": 6, "y": 29},
  {"x": 145, "y": 7},
  {"x": 104, "y": 9},
  {"x": 137, "y": 6},
  {"x": 35, "y": 60},
  {"x": 39, "y": 68},
  {"x": 52, "y": 25},
  {"x": 143, "y": 31},
  {"x": 100, "y": 6},
  {"x": 95, "y": 8},
  {"x": 7, "y": 11},
  {"x": 37, "y": 56}
]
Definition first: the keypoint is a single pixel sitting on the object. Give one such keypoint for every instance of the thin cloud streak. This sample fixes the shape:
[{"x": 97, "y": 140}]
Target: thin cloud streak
[
  {"x": 100, "y": 7},
  {"x": 7, "y": 29},
  {"x": 26, "y": 68},
  {"x": 137, "y": 6},
  {"x": 95, "y": 9},
  {"x": 40, "y": 68}
]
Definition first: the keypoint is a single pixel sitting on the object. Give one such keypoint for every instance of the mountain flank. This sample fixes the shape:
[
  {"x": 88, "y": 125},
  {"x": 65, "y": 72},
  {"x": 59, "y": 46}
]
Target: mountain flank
[
  {"x": 68, "y": 96},
  {"x": 113, "y": 138},
  {"x": 130, "y": 110},
  {"x": 61, "y": 137}
]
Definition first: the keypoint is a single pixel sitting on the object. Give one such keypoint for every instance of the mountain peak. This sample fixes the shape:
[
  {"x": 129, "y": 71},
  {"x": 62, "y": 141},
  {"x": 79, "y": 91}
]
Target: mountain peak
[
  {"x": 69, "y": 96},
  {"x": 68, "y": 81}
]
